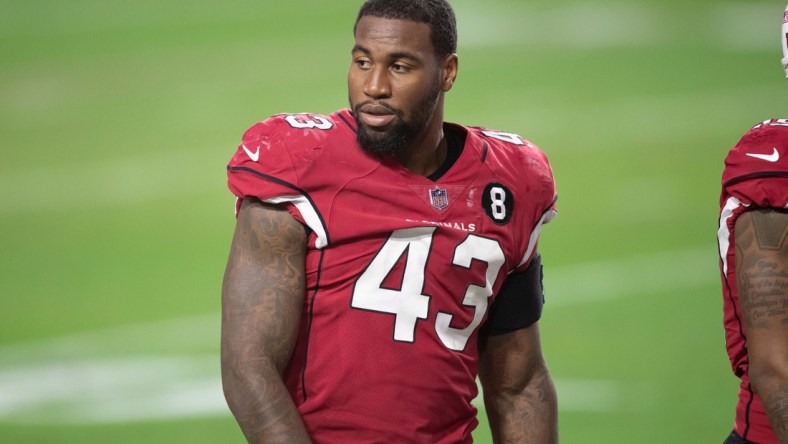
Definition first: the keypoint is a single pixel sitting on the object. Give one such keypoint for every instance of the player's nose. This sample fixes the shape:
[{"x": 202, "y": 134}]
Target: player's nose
[{"x": 377, "y": 84}]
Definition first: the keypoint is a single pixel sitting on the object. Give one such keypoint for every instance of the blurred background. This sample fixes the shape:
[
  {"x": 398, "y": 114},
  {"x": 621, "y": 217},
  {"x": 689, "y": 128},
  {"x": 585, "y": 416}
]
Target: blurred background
[{"x": 117, "y": 120}]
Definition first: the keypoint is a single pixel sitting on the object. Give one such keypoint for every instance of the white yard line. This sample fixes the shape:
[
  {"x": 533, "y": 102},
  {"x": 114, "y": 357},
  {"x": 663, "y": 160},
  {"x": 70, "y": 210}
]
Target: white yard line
[
  {"x": 161, "y": 388},
  {"x": 170, "y": 369},
  {"x": 111, "y": 390}
]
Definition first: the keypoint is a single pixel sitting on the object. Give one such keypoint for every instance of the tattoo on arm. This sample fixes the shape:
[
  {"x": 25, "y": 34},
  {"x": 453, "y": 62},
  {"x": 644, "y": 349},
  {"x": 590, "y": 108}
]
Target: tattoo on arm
[
  {"x": 518, "y": 391},
  {"x": 262, "y": 300},
  {"x": 776, "y": 404},
  {"x": 770, "y": 232},
  {"x": 762, "y": 280},
  {"x": 762, "y": 267}
]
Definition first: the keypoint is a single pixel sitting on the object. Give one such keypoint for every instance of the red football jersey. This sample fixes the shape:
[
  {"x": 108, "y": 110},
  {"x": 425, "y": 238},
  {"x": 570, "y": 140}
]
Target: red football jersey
[
  {"x": 755, "y": 176},
  {"x": 400, "y": 270}
]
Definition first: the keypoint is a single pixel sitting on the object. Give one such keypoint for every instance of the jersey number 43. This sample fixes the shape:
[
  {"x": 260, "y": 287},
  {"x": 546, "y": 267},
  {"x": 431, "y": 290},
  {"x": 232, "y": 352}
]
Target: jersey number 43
[{"x": 408, "y": 304}]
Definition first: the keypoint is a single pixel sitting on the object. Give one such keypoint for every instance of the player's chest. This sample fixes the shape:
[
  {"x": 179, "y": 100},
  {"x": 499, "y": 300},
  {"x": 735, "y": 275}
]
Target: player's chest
[
  {"x": 417, "y": 236},
  {"x": 386, "y": 201}
]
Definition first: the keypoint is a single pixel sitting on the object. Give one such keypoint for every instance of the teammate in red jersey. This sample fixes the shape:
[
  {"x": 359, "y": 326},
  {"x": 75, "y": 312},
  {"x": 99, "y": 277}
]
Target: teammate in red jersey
[
  {"x": 753, "y": 241},
  {"x": 384, "y": 258},
  {"x": 753, "y": 244}
]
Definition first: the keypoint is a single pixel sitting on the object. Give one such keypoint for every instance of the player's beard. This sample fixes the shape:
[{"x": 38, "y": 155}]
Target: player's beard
[{"x": 400, "y": 136}]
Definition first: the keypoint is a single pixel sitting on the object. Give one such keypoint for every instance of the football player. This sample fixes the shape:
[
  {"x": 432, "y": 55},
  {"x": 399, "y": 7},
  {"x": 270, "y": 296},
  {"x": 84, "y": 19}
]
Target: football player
[
  {"x": 383, "y": 258},
  {"x": 753, "y": 243}
]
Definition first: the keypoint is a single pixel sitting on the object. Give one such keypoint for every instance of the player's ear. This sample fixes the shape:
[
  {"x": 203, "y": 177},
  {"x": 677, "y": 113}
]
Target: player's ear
[{"x": 450, "y": 66}]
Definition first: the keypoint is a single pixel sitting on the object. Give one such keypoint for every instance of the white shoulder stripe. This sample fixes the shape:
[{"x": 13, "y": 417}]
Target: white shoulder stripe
[
  {"x": 309, "y": 213},
  {"x": 546, "y": 217},
  {"x": 724, "y": 234}
]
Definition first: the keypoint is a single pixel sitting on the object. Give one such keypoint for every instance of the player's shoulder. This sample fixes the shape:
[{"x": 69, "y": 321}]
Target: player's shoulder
[
  {"x": 769, "y": 131},
  {"x": 301, "y": 126},
  {"x": 762, "y": 149},
  {"x": 518, "y": 174},
  {"x": 287, "y": 139},
  {"x": 292, "y": 135},
  {"x": 510, "y": 154}
]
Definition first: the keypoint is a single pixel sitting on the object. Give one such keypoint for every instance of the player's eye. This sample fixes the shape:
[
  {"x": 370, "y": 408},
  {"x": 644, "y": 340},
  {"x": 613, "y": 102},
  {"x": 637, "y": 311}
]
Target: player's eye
[
  {"x": 363, "y": 63},
  {"x": 400, "y": 68}
]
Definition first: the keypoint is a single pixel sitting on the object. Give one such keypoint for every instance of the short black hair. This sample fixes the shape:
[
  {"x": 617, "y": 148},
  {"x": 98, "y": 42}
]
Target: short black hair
[{"x": 437, "y": 14}]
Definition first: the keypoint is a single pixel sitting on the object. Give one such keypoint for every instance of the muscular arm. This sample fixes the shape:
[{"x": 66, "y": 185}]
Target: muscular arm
[
  {"x": 762, "y": 281},
  {"x": 262, "y": 297},
  {"x": 518, "y": 391}
]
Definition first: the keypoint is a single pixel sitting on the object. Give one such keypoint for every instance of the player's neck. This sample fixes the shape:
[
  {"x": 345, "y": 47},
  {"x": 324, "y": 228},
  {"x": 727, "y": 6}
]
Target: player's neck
[
  {"x": 427, "y": 155},
  {"x": 425, "y": 161}
]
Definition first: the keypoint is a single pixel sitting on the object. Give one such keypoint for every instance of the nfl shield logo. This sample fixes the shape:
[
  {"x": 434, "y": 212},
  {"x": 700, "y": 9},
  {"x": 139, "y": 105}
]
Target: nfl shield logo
[{"x": 439, "y": 199}]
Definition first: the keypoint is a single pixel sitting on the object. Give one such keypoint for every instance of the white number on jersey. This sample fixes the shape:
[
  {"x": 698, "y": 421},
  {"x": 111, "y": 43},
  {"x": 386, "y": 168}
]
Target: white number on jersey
[
  {"x": 777, "y": 122},
  {"x": 473, "y": 248},
  {"x": 498, "y": 199},
  {"x": 305, "y": 121},
  {"x": 506, "y": 137},
  {"x": 408, "y": 304}
]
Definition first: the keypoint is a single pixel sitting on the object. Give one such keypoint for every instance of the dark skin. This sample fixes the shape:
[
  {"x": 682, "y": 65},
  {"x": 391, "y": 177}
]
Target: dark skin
[
  {"x": 762, "y": 281},
  {"x": 393, "y": 63},
  {"x": 519, "y": 394},
  {"x": 262, "y": 299}
]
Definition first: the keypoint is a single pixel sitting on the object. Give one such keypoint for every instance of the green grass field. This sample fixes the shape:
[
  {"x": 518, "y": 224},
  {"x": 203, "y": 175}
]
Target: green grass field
[{"x": 117, "y": 120}]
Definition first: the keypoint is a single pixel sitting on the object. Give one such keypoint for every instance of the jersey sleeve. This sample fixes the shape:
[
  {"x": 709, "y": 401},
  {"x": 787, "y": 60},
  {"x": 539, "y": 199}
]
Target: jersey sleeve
[
  {"x": 261, "y": 166},
  {"x": 755, "y": 176},
  {"x": 525, "y": 170},
  {"x": 539, "y": 186},
  {"x": 270, "y": 162},
  {"x": 756, "y": 169},
  {"x": 527, "y": 189}
]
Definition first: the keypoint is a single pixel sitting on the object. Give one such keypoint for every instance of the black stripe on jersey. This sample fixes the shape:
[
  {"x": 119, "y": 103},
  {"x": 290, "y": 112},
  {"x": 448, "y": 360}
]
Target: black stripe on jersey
[
  {"x": 310, "y": 315},
  {"x": 287, "y": 185},
  {"x": 484, "y": 152},
  {"x": 747, "y": 412},
  {"x": 346, "y": 122},
  {"x": 756, "y": 175}
]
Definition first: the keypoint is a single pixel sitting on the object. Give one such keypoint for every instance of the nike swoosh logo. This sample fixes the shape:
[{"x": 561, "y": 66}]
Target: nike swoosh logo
[
  {"x": 773, "y": 157},
  {"x": 252, "y": 155}
]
